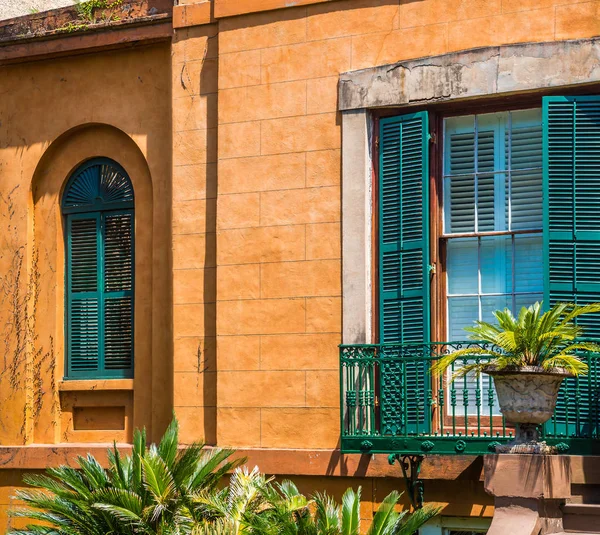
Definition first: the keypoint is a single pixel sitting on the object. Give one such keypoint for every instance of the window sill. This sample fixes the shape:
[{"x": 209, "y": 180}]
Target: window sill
[{"x": 79, "y": 385}]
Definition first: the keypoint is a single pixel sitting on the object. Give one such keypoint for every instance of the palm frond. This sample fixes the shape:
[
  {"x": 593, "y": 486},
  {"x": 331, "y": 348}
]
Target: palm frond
[
  {"x": 167, "y": 448},
  {"x": 416, "y": 520},
  {"x": 533, "y": 338},
  {"x": 121, "y": 513},
  {"x": 327, "y": 515},
  {"x": 117, "y": 472},
  {"x": 351, "y": 512},
  {"x": 138, "y": 453},
  {"x": 448, "y": 360},
  {"x": 386, "y": 517},
  {"x": 570, "y": 363},
  {"x": 93, "y": 470},
  {"x": 157, "y": 477}
]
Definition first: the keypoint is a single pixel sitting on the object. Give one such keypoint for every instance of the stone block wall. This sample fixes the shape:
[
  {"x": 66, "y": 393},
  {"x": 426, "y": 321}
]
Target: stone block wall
[{"x": 278, "y": 211}]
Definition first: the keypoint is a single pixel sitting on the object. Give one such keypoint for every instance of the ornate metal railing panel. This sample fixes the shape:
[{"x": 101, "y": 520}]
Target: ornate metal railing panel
[{"x": 392, "y": 403}]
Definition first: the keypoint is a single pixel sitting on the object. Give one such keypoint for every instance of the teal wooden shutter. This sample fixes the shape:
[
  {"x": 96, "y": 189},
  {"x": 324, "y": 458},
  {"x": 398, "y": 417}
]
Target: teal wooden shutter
[
  {"x": 572, "y": 238},
  {"x": 118, "y": 291},
  {"x": 84, "y": 294},
  {"x": 403, "y": 271},
  {"x": 98, "y": 205}
]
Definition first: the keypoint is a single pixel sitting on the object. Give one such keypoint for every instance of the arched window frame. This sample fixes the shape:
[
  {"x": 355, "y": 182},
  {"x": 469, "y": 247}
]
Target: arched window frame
[{"x": 98, "y": 210}]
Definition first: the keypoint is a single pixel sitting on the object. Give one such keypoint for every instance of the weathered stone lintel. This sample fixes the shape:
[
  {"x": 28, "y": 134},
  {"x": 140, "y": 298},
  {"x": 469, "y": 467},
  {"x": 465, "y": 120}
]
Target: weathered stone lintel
[{"x": 474, "y": 73}]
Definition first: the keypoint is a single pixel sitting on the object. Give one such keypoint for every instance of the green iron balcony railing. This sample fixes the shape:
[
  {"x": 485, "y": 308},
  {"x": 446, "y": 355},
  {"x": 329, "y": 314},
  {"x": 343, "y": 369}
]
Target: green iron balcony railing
[{"x": 392, "y": 403}]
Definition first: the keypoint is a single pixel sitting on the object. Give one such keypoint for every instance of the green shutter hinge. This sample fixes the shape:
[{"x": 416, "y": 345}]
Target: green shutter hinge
[
  {"x": 432, "y": 138},
  {"x": 431, "y": 269}
]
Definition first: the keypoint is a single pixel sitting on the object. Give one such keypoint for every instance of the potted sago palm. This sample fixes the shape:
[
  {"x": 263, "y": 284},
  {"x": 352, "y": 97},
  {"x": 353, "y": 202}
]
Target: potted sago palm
[{"x": 528, "y": 357}]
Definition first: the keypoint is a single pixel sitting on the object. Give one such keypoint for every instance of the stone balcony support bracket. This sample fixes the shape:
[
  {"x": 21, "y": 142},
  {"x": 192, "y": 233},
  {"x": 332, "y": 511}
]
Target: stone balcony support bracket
[{"x": 528, "y": 492}]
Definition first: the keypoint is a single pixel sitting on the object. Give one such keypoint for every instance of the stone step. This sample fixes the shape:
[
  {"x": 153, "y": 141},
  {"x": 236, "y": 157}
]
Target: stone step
[{"x": 581, "y": 518}]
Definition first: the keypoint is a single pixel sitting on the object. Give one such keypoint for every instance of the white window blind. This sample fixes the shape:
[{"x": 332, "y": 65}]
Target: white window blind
[{"x": 492, "y": 220}]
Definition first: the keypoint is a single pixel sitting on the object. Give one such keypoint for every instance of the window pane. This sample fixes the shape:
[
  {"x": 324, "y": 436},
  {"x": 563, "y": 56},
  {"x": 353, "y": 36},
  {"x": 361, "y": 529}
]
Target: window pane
[
  {"x": 509, "y": 144},
  {"x": 493, "y": 183},
  {"x": 525, "y": 147},
  {"x": 461, "y": 266},
  {"x": 462, "y": 312},
  {"x": 529, "y": 274},
  {"x": 489, "y": 144},
  {"x": 460, "y": 146},
  {"x": 496, "y": 264},
  {"x": 485, "y": 203},
  {"x": 524, "y": 151},
  {"x": 526, "y": 200},
  {"x": 491, "y": 303},
  {"x": 526, "y": 300},
  {"x": 461, "y": 204},
  {"x": 486, "y": 150}
]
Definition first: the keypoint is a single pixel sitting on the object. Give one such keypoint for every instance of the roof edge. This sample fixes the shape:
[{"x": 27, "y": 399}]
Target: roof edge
[{"x": 91, "y": 16}]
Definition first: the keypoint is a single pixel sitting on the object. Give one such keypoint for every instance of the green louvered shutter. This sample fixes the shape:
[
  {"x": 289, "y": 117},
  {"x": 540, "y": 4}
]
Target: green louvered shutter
[
  {"x": 118, "y": 291},
  {"x": 403, "y": 270},
  {"x": 572, "y": 238},
  {"x": 84, "y": 294},
  {"x": 98, "y": 205}
]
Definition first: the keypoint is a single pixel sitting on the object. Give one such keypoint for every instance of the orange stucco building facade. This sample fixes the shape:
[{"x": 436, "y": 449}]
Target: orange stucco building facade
[{"x": 226, "y": 116}]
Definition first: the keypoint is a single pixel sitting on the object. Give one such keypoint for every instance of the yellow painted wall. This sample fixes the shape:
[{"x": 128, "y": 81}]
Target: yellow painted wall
[
  {"x": 232, "y": 139},
  {"x": 54, "y": 115},
  {"x": 278, "y": 215}
]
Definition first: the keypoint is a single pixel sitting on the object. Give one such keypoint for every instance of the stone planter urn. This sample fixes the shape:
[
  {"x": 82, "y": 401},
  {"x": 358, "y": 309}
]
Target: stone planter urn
[{"x": 527, "y": 398}]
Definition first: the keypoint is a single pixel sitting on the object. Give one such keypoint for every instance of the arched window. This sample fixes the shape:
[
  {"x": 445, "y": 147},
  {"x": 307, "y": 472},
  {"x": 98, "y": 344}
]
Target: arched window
[{"x": 98, "y": 205}]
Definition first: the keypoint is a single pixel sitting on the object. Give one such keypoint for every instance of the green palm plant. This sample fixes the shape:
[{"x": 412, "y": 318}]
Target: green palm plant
[
  {"x": 534, "y": 338},
  {"x": 150, "y": 491},
  {"x": 288, "y": 512},
  {"x": 228, "y": 510}
]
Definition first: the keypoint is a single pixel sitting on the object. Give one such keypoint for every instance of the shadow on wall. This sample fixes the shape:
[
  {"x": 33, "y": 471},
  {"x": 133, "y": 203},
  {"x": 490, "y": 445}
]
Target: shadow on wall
[{"x": 196, "y": 79}]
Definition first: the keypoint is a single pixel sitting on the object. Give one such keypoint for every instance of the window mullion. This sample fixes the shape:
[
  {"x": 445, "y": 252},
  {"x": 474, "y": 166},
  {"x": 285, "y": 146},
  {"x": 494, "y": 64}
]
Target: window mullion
[
  {"x": 509, "y": 169},
  {"x": 476, "y": 169},
  {"x": 513, "y": 277}
]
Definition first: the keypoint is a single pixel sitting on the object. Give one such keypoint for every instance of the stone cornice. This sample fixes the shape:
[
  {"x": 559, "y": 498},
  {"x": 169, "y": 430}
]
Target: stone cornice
[{"x": 491, "y": 71}]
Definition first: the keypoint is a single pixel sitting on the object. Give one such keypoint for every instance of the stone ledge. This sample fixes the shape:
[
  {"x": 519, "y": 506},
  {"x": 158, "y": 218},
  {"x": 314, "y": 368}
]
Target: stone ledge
[
  {"x": 498, "y": 70},
  {"x": 84, "y": 42},
  {"x": 271, "y": 461},
  {"x": 585, "y": 470},
  {"x": 95, "y": 385}
]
